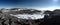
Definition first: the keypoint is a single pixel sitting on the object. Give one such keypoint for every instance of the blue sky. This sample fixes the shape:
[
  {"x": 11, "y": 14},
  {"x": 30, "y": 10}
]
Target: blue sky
[
  {"x": 29, "y": 3},
  {"x": 8, "y": 3}
]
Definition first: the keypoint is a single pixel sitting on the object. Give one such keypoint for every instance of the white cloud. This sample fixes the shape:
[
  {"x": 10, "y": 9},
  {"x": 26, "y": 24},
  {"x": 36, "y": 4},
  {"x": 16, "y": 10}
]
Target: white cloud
[{"x": 48, "y": 8}]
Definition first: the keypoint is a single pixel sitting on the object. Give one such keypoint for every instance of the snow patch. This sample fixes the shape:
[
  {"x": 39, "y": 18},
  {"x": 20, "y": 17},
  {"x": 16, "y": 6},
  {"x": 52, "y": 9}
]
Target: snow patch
[{"x": 26, "y": 16}]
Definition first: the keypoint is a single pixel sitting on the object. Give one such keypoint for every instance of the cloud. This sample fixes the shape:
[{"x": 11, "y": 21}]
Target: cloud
[{"x": 48, "y": 8}]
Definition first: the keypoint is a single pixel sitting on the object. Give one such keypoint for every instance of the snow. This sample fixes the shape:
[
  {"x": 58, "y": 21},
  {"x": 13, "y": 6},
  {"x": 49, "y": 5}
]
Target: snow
[{"x": 27, "y": 16}]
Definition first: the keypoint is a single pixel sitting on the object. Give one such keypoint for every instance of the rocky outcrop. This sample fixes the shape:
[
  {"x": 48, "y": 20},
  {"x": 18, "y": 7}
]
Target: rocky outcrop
[{"x": 54, "y": 18}]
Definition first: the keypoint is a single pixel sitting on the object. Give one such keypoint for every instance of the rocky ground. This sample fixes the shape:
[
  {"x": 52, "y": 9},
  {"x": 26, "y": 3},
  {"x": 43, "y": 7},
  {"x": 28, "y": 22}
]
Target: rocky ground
[
  {"x": 52, "y": 19},
  {"x": 6, "y": 19}
]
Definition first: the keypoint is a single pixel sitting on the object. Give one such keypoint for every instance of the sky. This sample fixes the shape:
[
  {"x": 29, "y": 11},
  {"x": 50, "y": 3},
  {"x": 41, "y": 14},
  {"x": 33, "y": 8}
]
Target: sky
[{"x": 29, "y": 3}]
